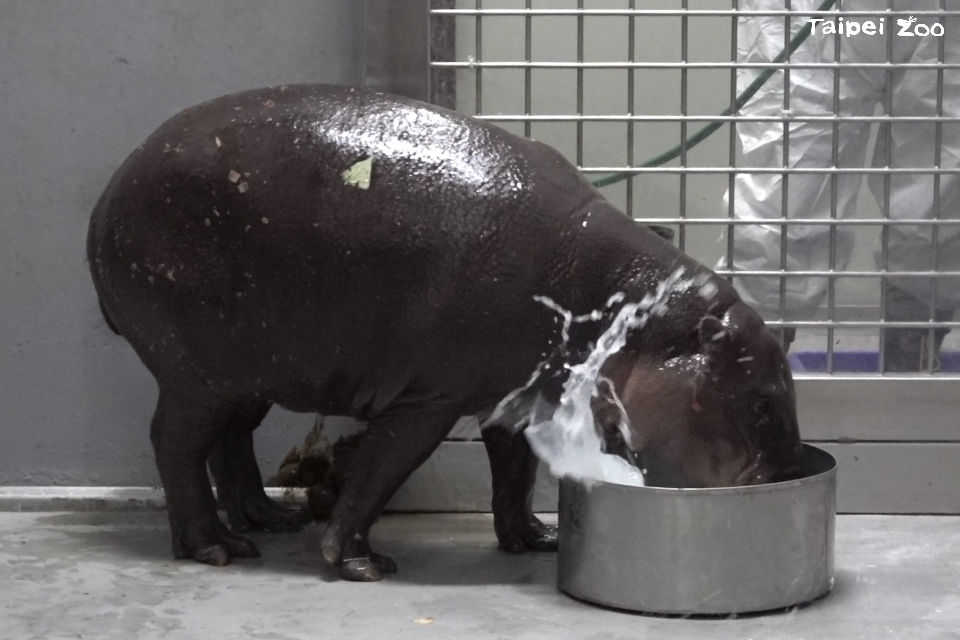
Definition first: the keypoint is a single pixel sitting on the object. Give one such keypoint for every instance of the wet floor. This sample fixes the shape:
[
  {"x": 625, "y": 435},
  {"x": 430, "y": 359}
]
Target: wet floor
[{"x": 110, "y": 575}]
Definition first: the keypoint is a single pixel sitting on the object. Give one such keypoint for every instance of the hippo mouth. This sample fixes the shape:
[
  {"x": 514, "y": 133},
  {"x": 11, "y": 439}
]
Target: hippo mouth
[
  {"x": 760, "y": 472},
  {"x": 793, "y": 471},
  {"x": 753, "y": 474},
  {"x": 658, "y": 472}
]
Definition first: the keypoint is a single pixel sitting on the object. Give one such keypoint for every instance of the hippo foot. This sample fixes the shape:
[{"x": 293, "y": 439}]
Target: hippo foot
[
  {"x": 213, "y": 547},
  {"x": 371, "y": 569},
  {"x": 356, "y": 561},
  {"x": 385, "y": 564},
  {"x": 260, "y": 513},
  {"x": 530, "y": 535}
]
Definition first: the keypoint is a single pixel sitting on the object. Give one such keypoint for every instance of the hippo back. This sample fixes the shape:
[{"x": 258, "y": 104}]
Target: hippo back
[{"x": 236, "y": 239}]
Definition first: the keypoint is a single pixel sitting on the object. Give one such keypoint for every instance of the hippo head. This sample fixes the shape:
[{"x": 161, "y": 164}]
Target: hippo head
[{"x": 724, "y": 415}]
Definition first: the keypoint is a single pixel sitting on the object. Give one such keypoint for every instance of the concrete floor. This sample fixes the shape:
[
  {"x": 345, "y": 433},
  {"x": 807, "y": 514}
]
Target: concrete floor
[{"x": 109, "y": 575}]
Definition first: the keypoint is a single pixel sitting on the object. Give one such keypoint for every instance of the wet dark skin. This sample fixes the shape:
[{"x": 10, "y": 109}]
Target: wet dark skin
[{"x": 245, "y": 271}]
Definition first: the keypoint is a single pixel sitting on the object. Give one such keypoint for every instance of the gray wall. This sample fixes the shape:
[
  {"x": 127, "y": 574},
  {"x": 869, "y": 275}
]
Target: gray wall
[{"x": 82, "y": 82}]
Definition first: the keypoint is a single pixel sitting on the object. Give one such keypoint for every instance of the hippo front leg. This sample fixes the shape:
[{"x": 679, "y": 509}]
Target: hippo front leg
[
  {"x": 233, "y": 464},
  {"x": 393, "y": 446},
  {"x": 514, "y": 470}
]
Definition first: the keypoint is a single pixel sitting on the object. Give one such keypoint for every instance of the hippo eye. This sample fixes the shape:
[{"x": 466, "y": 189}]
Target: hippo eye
[{"x": 763, "y": 407}]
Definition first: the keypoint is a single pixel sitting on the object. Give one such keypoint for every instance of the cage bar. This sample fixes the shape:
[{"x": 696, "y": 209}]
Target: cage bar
[
  {"x": 580, "y": 68},
  {"x": 631, "y": 90},
  {"x": 834, "y": 197},
  {"x": 660, "y": 13},
  {"x": 684, "y": 57},
  {"x": 732, "y": 151},
  {"x": 935, "y": 231},
  {"x": 785, "y": 189}
]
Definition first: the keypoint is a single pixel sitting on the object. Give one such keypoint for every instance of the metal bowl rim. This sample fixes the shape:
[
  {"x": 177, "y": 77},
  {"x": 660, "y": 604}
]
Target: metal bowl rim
[{"x": 747, "y": 489}]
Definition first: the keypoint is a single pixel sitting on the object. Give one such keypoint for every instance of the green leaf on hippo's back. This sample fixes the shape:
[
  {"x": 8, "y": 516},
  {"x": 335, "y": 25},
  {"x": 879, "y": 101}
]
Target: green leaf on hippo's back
[{"x": 358, "y": 175}]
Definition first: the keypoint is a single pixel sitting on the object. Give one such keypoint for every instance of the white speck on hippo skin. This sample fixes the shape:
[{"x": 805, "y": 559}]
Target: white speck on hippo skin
[
  {"x": 242, "y": 187},
  {"x": 217, "y": 140},
  {"x": 708, "y": 290},
  {"x": 745, "y": 359},
  {"x": 247, "y": 228},
  {"x": 215, "y": 212},
  {"x": 265, "y": 220},
  {"x": 207, "y": 222},
  {"x": 170, "y": 276},
  {"x": 233, "y": 176}
]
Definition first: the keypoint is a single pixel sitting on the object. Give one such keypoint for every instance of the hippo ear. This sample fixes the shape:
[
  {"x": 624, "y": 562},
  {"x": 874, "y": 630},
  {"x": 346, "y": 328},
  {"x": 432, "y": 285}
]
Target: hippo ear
[{"x": 714, "y": 335}]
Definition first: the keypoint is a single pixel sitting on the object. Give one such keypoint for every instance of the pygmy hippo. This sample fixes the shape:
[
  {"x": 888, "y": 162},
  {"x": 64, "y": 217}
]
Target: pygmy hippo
[{"x": 347, "y": 252}]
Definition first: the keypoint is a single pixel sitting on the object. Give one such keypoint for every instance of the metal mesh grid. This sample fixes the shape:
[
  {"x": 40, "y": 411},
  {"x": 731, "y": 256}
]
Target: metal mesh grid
[{"x": 475, "y": 64}]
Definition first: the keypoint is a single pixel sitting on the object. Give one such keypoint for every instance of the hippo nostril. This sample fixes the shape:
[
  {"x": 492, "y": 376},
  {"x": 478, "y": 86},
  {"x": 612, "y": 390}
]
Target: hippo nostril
[
  {"x": 790, "y": 472},
  {"x": 633, "y": 458},
  {"x": 750, "y": 475}
]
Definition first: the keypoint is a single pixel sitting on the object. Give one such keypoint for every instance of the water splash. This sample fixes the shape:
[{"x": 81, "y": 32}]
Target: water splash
[{"x": 564, "y": 435}]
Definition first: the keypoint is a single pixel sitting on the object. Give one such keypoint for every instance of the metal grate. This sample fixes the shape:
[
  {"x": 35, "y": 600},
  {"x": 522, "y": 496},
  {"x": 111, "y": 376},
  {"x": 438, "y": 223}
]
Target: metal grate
[{"x": 516, "y": 62}]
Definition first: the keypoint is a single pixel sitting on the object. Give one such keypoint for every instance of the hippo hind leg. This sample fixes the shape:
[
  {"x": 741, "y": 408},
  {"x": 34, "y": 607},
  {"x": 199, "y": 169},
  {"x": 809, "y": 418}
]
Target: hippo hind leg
[
  {"x": 393, "y": 446},
  {"x": 240, "y": 492},
  {"x": 183, "y": 432},
  {"x": 514, "y": 470}
]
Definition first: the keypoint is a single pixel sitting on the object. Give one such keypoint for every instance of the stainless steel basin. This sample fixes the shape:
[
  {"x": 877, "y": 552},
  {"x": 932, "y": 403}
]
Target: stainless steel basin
[{"x": 701, "y": 551}]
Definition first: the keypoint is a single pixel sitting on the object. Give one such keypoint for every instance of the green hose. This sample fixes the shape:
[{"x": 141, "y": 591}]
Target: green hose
[{"x": 741, "y": 100}]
